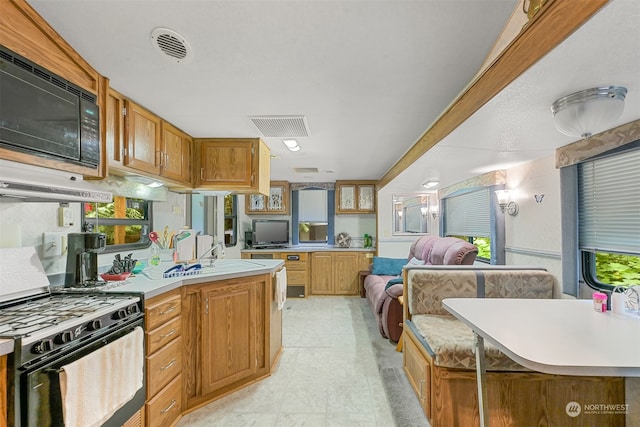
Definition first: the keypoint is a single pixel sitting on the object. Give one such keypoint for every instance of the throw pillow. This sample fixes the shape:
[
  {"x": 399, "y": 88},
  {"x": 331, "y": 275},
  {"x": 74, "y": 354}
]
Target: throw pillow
[
  {"x": 388, "y": 266},
  {"x": 396, "y": 281}
]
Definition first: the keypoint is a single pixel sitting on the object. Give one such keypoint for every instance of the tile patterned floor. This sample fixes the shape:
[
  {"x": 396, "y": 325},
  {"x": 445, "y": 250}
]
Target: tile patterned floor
[{"x": 327, "y": 375}]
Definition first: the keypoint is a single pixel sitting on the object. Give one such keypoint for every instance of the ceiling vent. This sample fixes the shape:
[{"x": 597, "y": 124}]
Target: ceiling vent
[
  {"x": 306, "y": 170},
  {"x": 172, "y": 45},
  {"x": 281, "y": 126}
]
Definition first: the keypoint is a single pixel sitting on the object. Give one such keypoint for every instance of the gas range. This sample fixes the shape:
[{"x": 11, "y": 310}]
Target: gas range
[{"x": 45, "y": 326}]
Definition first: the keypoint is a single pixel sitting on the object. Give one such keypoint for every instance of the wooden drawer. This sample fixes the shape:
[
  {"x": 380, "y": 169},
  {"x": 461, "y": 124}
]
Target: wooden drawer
[
  {"x": 163, "y": 366},
  {"x": 297, "y": 277},
  {"x": 166, "y": 407},
  {"x": 296, "y": 261},
  {"x": 159, "y": 337},
  {"x": 418, "y": 373},
  {"x": 158, "y": 312}
]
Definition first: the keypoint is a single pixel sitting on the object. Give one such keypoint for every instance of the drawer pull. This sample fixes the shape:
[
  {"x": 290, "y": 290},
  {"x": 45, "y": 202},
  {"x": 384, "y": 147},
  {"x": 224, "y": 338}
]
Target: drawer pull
[
  {"x": 168, "y": 365},
  {"x": 168, "y": 334},
  {"x": 293, "y": 257},
  {"x": 171, "y": 309},
  {"x": 168, "y": 408}
]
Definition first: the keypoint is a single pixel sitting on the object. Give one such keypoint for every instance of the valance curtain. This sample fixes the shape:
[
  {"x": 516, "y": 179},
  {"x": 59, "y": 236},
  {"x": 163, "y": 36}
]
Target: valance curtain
[
  {"x": 468, "y": 214},
  {"x": 609, "y": 203}
]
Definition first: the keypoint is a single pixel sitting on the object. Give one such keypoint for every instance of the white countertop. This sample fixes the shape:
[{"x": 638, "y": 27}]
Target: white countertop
[
  {"x": 222, "y": 270},
  {"x": 6, "y": 346},
  {"x": 555, "y": 336}
]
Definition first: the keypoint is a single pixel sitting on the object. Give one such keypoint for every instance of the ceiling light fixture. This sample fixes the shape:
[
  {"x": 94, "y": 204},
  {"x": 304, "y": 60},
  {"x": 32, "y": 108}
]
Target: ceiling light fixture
[
  {"x": 291, "y": 144},
  {"x": 589, "y": 111},
  {"x": 430, "y": 184}
]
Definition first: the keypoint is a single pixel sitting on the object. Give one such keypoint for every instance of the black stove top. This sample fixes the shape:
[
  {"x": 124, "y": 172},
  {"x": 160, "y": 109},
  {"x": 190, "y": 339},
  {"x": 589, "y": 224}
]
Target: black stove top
[{"x": 48, "y": 323}]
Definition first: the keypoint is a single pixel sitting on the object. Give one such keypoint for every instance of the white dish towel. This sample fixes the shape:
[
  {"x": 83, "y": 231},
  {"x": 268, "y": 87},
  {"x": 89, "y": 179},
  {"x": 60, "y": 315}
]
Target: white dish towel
[
  {"x": 281, "y": 287},
  {"x": 94, "y": 387}
]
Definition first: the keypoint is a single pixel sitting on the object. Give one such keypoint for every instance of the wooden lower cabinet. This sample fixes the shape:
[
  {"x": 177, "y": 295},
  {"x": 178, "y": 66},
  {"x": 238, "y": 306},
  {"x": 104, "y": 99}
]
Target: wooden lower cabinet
[
  {"x": 337, "y": 273},
  {"x": 164, "y": 351},
  {"x": 228, "y": 328},
  {"x": 229, "y": 339}
]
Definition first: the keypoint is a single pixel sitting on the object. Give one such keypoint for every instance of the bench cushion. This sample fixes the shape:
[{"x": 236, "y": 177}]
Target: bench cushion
[
  {"x": 450, "y": 344},
  {"x": 427, "y": 288}
]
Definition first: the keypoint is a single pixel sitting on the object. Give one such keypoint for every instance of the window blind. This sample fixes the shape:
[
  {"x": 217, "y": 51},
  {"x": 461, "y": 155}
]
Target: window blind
[
  {"x": 609, "y": 203},
  {"x": 468, "y": 214}
]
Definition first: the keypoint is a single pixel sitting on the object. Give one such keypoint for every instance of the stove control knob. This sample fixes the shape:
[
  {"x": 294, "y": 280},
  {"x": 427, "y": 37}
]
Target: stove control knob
[
  {"x": 132, "y": 309},
  {"x": 64, "y": 337},
  {"x": 42, "y": 347},
  {"x": 94, "y": 325},
  {"x": 120, "y": 314}
]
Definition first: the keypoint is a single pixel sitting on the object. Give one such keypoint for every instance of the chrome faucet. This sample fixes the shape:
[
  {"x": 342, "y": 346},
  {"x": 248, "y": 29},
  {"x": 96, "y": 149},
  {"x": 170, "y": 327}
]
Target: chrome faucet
[{"x": 216, "y": 251}]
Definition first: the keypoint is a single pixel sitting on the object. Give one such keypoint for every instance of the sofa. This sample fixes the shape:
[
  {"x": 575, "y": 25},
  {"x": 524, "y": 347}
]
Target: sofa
[
  {"x": 439, "y": 360},
  {"x": 383, "y": 285}
]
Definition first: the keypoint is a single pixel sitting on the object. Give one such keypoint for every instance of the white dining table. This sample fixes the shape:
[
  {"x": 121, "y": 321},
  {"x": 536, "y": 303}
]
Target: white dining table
[{"x": 554, "y": 336}]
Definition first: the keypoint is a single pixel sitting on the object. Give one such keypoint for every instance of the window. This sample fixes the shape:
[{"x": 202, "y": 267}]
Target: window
[
  {"x": 126, "y": 222},
  {"x": 609, "y": 219},
  {"x": 313, "y": 224},
  {"x": 230, "y": 220},
  {"x": 469, "y": 216}
]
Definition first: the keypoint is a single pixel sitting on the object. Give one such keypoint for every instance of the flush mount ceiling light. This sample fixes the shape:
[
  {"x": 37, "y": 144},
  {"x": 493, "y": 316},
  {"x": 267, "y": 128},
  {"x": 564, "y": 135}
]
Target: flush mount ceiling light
[
  {"x": 291, "y": 144},
  {"x": 430, "y": 184},
  {"x": 590, "y": 111}
]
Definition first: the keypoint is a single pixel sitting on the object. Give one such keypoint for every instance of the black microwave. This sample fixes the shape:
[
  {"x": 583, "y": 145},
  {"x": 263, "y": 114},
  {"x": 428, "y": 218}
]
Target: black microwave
[{"x": 45, "y": 115}]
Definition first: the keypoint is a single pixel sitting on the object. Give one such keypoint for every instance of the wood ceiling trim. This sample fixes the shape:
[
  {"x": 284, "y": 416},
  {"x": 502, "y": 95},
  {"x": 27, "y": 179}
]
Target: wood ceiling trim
[{"x": 552, "y": 25}]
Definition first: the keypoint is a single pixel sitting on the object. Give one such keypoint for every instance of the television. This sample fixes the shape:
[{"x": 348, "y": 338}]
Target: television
[{"x": 270, "y": 233}]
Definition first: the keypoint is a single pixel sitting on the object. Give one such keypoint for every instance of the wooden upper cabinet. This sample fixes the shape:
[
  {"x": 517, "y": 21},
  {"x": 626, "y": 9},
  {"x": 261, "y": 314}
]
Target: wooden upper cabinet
[
  {"x": 241, "y": 165},
  {"x": 114, "y": 134},
  {"x": 142, "y": 144},
  {"x": 276, "y": 203},
  {"x": 176, "y": 154},
  {"x": 355, "y": 197}
]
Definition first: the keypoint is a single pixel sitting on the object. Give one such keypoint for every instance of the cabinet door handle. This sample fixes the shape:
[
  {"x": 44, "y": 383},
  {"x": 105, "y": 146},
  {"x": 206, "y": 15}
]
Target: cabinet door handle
[
  {"x": 168, "y": 334},
  {"x": 166, "y": 160},
  {"x": 168, "y": 408},
  {"x": 201, "y": 174},
  {"x": 171, "y": 309},
  {"x": 422, "y": 382},
  {"x": 206, "y": 305},
  {"x": 159, "y": 158},
  {"x": 168, "y": 365}
]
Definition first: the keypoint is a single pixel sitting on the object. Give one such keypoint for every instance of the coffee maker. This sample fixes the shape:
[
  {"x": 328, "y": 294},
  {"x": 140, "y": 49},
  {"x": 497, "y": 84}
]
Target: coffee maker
[{"x": 82, "y": 259}]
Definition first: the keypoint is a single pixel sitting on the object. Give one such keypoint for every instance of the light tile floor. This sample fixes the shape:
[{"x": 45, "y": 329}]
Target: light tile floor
[{"x": 326, "y": 376}]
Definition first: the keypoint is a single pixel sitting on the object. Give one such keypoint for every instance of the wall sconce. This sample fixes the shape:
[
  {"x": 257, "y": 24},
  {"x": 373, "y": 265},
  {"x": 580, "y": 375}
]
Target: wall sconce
[
  {"x": 589, "y": 111},
  {"x": 434, "y": 211},
  {"x": 423, "y": 210},
  {"x": 503, "y": 200}
]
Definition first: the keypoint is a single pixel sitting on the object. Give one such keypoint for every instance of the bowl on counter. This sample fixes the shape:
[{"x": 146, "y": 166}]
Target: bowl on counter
[{"x": 115, "y": 277}]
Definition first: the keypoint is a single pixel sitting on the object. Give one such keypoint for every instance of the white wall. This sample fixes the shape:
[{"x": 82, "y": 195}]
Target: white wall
[{"x": 534, "y": 236}]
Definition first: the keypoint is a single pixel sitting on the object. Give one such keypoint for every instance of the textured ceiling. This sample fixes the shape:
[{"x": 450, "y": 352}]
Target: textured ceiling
[{"x": 370, "y": 77}]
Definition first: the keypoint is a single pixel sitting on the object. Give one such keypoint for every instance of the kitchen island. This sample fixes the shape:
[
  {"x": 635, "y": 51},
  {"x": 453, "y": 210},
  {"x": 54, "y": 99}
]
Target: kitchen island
[{"x": 207, "y": 334}]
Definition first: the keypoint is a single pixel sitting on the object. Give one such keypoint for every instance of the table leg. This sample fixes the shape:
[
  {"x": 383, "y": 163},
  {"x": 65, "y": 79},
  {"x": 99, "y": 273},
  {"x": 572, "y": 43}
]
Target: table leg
[{"x": 481, "y": 380}]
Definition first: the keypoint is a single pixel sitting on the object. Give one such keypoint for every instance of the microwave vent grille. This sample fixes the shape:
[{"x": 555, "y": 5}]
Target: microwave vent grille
[{"x": 45, "y": 75}]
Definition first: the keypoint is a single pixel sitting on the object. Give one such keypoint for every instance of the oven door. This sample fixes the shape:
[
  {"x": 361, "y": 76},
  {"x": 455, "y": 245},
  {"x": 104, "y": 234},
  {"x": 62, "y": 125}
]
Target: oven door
[{"x": 40, "y": 388}]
